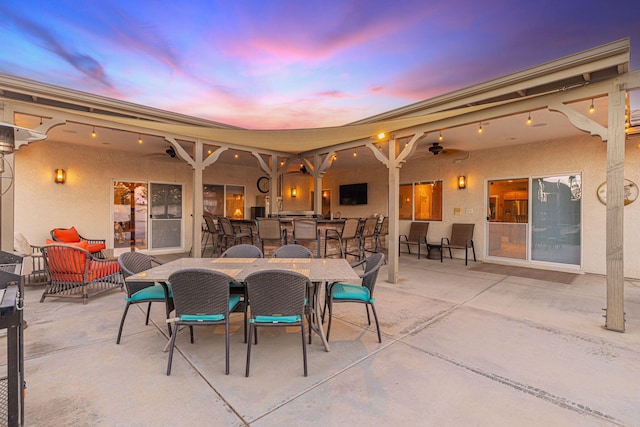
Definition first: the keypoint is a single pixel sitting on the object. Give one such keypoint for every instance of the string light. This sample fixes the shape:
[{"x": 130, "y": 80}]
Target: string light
[
  {"x": 355, "y": 153},
  {"x": 479, "y": 128},
  {"x": 529, "y": 120},
  {"x": 93, "y": 132},
  {"x": 440, "y": 137},
  {"x": 139, "y": 139},
  {"x": 592, "y": 108}
]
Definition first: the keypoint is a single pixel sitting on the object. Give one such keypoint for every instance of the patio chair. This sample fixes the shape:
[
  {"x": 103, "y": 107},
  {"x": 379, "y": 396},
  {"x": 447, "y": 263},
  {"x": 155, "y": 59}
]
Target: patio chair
[
  {"x": 73, "y": 272},
  {"x": 292, "y": 251},
  {"x": 242, "y": 251},
  {"x": 201, "y": 298},
  {"x": 229, "y": 235},
  {"x": 363, "y": 294},
  {"x": 382, "y": 231},
  {"x": 269, "y": 230},
  {"x": 71, "y": 236},
  {"x": 461, "y": 238},
  {"x": 277, "y": 300},
  {"x": 348, "y": 233},
  {"x": 368, "y": 238},
  {"x": 32, "y": 262},
  {"x": 210, "y": 231},
  {"x": 142, "y": 292},
  {"x": 306, "y": 230},
  {"x": 417, "y": 236}
]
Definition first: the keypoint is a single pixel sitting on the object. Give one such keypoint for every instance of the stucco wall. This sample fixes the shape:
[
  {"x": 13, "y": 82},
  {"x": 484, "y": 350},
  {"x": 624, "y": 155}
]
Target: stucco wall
[{"x": 84, "y": 200}]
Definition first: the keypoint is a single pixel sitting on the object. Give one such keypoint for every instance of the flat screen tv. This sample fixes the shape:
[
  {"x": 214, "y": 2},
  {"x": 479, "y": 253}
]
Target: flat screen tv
[{"x": 353, "y": 194}]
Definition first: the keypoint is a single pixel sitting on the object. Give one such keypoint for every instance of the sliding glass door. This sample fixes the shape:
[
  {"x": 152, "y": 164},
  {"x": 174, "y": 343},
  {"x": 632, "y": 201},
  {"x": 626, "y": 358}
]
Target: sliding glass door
[
  {"x": 541, "y": 225},
  {"x": 556, "y": 218}
]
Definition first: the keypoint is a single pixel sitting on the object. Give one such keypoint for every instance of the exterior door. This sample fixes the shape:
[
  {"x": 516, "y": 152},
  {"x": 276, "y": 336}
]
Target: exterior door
[
  {"x": 508, "y": 218},
  {"x": 130, "y": 204}
]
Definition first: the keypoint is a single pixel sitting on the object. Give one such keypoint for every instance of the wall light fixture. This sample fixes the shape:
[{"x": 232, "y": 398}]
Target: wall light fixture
[{"x": 59, "y": 176}]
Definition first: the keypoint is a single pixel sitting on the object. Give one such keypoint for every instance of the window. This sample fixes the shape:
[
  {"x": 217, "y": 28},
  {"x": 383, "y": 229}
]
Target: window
[
  {"x": 421, "y": 201},
  {"x": 224, "y": 200}
]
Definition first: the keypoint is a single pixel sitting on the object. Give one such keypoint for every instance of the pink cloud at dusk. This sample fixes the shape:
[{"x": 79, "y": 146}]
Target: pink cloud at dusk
[{"x": 291, "y": 64}]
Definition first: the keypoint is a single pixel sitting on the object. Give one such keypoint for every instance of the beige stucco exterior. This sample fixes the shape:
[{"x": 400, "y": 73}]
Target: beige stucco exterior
[{"x": 85, "y": 199}]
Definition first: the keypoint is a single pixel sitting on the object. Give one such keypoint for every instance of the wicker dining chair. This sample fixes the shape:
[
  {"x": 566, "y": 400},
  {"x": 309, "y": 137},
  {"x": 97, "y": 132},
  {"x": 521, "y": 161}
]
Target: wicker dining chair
[
  {"x": 201, "y": 298},
  {"x": 363, "y": 294},
  {"x": 142, "y": 292},
  {"x": 242, "y": 251},
  {"x": 277, "y": 300}
]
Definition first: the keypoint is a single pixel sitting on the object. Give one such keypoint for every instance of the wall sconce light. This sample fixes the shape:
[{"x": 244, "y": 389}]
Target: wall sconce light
[
  {"x": 294, "y": 192},
  {"x": 59, "y": 176},
  {"x": 462, "y": 182},
  {"x": 325, "y": 194}
]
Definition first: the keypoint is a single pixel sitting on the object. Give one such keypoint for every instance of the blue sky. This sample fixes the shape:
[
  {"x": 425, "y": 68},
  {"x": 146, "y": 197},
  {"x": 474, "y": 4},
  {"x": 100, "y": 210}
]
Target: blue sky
[{"x": 269, "y": 64}]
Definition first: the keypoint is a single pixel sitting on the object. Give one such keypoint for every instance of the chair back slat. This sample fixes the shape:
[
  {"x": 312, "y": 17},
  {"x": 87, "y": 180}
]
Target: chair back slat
[{"x": 461, "y": 234}]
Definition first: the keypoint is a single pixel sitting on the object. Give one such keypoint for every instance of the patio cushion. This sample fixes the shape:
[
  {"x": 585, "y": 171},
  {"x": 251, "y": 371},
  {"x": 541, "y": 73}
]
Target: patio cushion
[
  {"x": 351, "y": 292},
  {"x": 155, "y": 292},
  {"x": 69, "y": 235},
  {"x": 276, "y": 319},
  {"x": 99, "y": 269},
  {"x": 233, "y": 301}
]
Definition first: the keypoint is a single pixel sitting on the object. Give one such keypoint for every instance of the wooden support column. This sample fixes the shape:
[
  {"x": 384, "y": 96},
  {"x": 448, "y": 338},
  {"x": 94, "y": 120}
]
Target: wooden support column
[
  {"x": 394, "y": 221},
  {"x": 615, "y": 210}
]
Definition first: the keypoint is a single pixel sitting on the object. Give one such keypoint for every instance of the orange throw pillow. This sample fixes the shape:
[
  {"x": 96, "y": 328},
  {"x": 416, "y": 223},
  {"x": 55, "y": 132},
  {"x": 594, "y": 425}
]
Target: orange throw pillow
[{"x": 69, "y": 235}]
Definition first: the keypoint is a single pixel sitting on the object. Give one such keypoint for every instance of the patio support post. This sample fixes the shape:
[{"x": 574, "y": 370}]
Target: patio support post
[
  {"x": 198, "y": 201},
  {"x": 615, "y": 209},
  {"x": 394, "y": 209},
  {"x": 7, "y": 200}
]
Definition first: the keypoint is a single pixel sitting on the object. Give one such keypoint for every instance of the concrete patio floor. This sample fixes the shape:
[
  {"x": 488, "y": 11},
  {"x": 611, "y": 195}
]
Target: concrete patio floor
[{"x": 459, "y": 347}]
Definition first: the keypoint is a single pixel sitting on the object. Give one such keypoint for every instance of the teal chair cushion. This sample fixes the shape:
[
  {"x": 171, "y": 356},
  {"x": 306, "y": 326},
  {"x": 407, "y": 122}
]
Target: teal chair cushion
[
  {"x": 275, "y": 319},
  {"x": 155, "y": 293},
  {"x": 233, "y": 301},
  {"x": 351, "y": 292}
]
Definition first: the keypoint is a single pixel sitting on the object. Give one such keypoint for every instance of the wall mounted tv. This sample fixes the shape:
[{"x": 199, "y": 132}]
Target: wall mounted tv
[{"x": 353, "y": 194}]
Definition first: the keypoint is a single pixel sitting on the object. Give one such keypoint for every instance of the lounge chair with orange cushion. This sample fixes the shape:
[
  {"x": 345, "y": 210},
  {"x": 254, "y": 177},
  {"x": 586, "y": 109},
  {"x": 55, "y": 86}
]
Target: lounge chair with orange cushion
[
  {"x": 73, "y": 272},
  {"x": 71, "y": 236}
]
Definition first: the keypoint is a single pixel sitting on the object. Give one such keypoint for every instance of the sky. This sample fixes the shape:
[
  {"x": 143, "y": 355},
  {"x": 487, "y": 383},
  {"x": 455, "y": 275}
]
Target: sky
[{"x": 283, "y": 64}]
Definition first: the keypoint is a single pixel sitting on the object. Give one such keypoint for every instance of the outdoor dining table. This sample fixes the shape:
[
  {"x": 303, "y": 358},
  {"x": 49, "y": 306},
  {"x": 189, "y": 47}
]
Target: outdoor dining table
[{"x": 318, "y": 270}]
